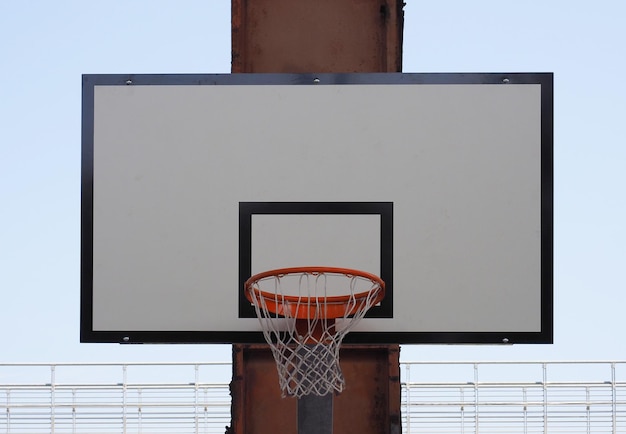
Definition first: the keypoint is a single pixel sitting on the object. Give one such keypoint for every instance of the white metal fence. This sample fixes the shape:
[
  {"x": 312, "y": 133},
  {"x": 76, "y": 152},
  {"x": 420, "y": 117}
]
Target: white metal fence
[
  {"x": 514, "y": 397},
  {"x": 114, "y": 398},
  {"x": 437, "y": 397}
]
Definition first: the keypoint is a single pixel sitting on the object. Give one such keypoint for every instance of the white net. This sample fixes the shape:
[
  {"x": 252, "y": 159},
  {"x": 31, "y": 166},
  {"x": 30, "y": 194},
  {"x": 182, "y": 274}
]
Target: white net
[{"x": 305, "y": 313}]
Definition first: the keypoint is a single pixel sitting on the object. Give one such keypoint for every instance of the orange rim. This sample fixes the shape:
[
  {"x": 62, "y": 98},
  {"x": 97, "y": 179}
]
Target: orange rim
[{"x": 315, "y": 307}]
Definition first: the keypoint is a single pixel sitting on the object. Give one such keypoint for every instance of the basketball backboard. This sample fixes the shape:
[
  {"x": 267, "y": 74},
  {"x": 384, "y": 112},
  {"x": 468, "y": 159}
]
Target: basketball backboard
[{"x": 439, "y": 183}]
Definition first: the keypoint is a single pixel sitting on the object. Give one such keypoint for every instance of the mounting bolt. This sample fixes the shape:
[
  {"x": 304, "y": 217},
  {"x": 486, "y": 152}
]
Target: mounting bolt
[
  {"x": 316, "y": 80},
  {"x": 126, "y": 339},
  {"x": 129, "y": 81},
  {"x": 506, "y": 80},
  {"x": 505, "y": 340}
]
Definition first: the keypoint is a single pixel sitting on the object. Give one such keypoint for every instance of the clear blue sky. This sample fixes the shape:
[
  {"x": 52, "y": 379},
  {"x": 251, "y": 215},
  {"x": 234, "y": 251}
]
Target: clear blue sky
[{"x": 45, "y": 46}]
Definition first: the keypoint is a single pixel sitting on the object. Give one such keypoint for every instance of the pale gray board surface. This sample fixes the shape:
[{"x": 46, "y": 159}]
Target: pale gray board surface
[{"x": 463, "y": 161}]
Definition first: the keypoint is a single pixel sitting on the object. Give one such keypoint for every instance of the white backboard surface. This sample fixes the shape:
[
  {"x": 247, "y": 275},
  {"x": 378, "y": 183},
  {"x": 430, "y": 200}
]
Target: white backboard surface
[{"x": 439, "y": 183}]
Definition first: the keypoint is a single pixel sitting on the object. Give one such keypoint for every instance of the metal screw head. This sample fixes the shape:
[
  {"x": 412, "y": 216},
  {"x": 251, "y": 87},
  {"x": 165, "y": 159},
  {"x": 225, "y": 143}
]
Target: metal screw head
[
  {"x": 505, "y": 340},
  {"x": 126, "y": 339},
  {"x": 505, "y": 80},
  {"x": 316, "y": 80},
  {"x": 129, "y": 82}
]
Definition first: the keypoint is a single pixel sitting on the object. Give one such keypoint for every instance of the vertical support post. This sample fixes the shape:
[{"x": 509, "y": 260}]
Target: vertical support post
[
  {"x": 139, "y": 411},
  {"x": 286, "y": 36},
  {"x": 588, "y": 409},
  {"x": 525, "y": 399},
  {"x": 462, "y": 392},
  {"x": 73, "y": 410},
  {"x": 8, "y": 411},
  {"x": 52, "y": 397},
  {"x": 613, "y": 399},
  {"x": 408, "y": 398},
  {"x": 206, "y": 410},
  {"x": 545, "y": 398},
  {"x": 124, "y": 399},
  {"x": 315, "y": 414},
  {"x": 196, "y": 402},
  {"x": 476, "y": 420}
]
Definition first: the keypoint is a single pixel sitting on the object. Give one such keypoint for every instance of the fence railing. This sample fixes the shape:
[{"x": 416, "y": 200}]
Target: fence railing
[
  {"x": 437, "y": 397},
  {"x": 514, "y": 397}
]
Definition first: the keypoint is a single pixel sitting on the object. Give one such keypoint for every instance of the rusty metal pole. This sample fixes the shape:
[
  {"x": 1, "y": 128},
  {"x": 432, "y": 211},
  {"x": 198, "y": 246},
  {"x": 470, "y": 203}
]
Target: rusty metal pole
[
  {"x": 316, "y": 36},
  {"x": 273, "y": 36},
  {"x": 315, "y": 414}
]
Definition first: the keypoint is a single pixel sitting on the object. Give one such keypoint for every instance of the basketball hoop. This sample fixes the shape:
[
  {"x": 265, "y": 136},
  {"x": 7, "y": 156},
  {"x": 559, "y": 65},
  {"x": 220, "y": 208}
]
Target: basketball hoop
[{"x": 305, "y": 312}]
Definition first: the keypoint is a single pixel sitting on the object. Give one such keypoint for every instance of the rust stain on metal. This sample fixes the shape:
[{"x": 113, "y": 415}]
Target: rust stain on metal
[
  {"x": 334, "y": 36},
  {"x": 370, "y": 402},
  {"x": 317, "y": 36}
]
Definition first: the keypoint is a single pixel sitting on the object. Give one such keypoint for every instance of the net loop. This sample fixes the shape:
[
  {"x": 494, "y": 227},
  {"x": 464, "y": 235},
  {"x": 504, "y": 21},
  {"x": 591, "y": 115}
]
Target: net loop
[{"x": 305, "y": 312}]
